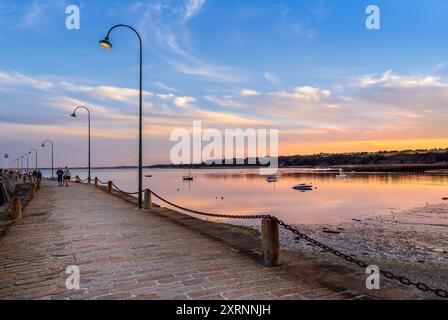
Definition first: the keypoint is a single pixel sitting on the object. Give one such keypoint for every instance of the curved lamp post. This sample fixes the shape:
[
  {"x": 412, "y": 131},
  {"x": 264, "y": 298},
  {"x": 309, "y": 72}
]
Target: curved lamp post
[
  {"x": 27, "y": 161},
  {"x": 36, "y": 155},
  {"x": 106, "y": 44},
  {"x": 74, "y": 116},
  {"x": 52, "y": 156}
]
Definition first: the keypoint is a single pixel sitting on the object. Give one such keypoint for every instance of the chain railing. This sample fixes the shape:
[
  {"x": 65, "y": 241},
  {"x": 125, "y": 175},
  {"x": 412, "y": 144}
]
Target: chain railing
[
  {"x": 119, "y": 190},
  {"x": 388, "y": 274}
]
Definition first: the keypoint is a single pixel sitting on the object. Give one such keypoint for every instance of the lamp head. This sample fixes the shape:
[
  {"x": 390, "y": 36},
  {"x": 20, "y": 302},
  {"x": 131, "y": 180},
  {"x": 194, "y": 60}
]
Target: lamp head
[
  {"x": 105, "y": 43},
  {"x": 43, "y": 145},
  {"x": 73, "y": 115}
]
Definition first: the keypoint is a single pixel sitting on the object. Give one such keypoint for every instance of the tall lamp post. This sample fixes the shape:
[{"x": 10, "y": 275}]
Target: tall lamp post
[
  {"x": 21, "y": 164},
  {"x": 89, "y": 178},
  {"x": 36, "y": 155},
  {"x": 106, "y": 44},
  {"x": 5, "y": 162},
  {"x": 52, "y": 156},
  {"x": 27, "y": 161},
  {"x": 18, "y": 165}
]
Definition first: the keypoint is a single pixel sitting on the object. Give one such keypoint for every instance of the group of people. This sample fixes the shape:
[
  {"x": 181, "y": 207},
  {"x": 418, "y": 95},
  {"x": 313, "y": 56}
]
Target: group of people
[
  {"x": 34, "y": 175},
  {"x": 64, "y": 177}
]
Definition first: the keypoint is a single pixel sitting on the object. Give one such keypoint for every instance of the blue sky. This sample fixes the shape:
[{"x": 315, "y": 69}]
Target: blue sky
[{"x": 309, "y": 68}]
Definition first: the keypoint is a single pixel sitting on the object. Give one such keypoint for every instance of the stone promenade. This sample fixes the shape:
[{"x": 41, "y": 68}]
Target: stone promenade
[{"x": 125, "y": 253}]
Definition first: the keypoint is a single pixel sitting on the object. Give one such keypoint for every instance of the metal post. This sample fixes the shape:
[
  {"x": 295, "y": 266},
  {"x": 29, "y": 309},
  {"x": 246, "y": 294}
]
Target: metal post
[{"x": 106, "y": 44}]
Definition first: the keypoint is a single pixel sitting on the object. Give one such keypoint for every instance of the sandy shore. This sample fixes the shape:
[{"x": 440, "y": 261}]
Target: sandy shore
[{"x": 413, "y": 243}]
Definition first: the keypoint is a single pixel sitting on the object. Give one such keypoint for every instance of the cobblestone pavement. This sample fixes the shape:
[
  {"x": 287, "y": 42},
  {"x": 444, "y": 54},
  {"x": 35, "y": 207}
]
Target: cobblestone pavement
[{"x": 125, "y": 253}]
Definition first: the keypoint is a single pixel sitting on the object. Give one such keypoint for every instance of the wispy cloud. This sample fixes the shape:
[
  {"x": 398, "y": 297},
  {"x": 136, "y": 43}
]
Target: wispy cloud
[
  {"x": 166, "y": 23},
  {"x": 391, "y": 80},
  {"x": 33, "y": 14},
  {"x": 105, "y": 92},
  {"x": 192, "y": 8},
  {"x": 272, "y": 78},
  {"x": 184, "y": 102},
  {"x": 19, "y": 79},
  {"x": 163, "y": 86},
  {"x": 304, "y": 93},
  {"x": 249, "y": 93}
]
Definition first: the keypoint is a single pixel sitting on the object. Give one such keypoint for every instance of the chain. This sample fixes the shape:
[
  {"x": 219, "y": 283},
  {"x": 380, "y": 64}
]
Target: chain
[
  {"x": 101, "y": 182},
  {"x": 390, "y": 275},
  {"x": 119, "y": 190},
  {"x": 224, "y": 216}
]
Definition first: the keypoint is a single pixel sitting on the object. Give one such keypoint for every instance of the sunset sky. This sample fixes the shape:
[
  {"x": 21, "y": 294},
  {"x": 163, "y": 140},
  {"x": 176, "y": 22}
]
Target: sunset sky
[{"x": 308, "y": 68}]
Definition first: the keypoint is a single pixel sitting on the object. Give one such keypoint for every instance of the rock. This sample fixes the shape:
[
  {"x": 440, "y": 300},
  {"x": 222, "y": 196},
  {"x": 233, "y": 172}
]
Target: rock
[{"x": 331, "y": 232}]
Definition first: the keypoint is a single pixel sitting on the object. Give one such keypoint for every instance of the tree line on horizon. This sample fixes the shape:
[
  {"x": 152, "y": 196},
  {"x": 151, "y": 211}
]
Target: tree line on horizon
[{"x": 432, "y": 156}]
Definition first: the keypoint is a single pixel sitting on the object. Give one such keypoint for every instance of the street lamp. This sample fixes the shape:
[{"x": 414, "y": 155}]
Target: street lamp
[
  {"x": 52, "y": 156},
  {"x": 27, "y": 161},
  {"x": 5, "y": 161},
  {"x": 36, "y": 155},
  {"x": 18, "y": 164},
  {"x": 74, "y": 116},
  {"x": 106, "y": 44}
]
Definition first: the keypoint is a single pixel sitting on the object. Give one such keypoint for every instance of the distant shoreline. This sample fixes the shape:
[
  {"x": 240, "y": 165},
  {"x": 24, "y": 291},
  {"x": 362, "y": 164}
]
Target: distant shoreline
[
  {"x": 384, "y": 161},
  {"x": 415, "y": 167}
]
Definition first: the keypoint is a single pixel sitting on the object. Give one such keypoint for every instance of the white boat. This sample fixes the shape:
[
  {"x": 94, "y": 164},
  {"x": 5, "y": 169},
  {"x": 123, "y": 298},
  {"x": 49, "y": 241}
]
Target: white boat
[
  {"x": 303, "y": 186},
  {"x": 341, "y": 175}
]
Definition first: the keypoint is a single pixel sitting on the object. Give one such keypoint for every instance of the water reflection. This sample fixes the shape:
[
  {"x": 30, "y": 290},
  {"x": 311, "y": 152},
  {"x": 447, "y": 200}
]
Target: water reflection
[{"x": 246, "y": 191}]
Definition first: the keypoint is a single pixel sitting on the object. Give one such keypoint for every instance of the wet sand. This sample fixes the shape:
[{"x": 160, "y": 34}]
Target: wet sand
[{"x": 413, "y": 243}]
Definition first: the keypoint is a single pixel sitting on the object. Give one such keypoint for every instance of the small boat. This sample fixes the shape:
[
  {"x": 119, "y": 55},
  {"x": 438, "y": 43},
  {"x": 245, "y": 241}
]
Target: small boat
[
  {"x": 341, "y": 175},
  {"x": 189, "y": 177},
  {"x": 272, "y": 179},
  {"x": 303, "y": 187},
  {"x": 148, "y": 176}
]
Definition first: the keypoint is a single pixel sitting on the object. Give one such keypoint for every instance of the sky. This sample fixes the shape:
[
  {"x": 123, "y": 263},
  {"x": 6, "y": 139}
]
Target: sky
[{"x": 309, "y": 68}]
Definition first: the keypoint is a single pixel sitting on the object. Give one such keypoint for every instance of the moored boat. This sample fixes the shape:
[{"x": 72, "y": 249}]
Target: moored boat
[{"x": 303, "y": 186}]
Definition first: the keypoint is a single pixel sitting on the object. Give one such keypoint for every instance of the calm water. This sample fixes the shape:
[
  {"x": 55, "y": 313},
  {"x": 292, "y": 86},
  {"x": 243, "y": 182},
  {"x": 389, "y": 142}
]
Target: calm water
[{"x": 245, "y": 191}]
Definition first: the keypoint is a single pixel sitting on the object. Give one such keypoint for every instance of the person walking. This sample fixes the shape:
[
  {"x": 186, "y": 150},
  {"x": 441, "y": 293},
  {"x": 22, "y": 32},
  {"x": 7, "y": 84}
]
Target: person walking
[
  {"x": 67, "y": 176},
  {"x": 60, "y": 174}
]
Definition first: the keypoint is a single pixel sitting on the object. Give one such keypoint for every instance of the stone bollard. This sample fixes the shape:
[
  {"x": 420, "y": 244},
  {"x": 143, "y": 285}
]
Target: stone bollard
[
  {"x": 270, "y": 242},
  {"x": 96, "y": 182},
  {"x": 147, "y": 204},
  {"x": 39, "y": 184},
  {"x": 33, "y": 190},
  {"x": 16, "y": 210},
  {"x": 109, "y": 187}
]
